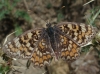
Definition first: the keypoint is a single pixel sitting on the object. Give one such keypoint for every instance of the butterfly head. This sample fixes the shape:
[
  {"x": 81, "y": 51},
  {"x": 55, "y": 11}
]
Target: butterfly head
[
  {"x": 49, "y": 29},
  {"x": 48, "y": 24}
]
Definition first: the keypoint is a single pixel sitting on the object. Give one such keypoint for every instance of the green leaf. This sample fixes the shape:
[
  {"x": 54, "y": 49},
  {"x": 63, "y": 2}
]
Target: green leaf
[
  {"x": 93, "y": 15},
  {"x": 4, "y": 69},
  {"x": 28, "y": 64},
  {"x": 18, "y": 30},
  {"x": 49, "y": 5},
  {"x": 2, "y": 13},
  {"x": 1, "y": 6},
  {"x": 60, "y": 16},
  {"x": 15, "y": 2},
  {"x": 86, "y": 48},
  {"x": 23, "y": 14}
]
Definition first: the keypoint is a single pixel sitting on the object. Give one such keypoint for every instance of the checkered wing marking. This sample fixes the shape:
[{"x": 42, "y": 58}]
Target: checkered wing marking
[
  {"x": 79, "y": 33},
  {"x": 23, "y": 45},
  {"x": 43, "y": 52},
  {"x": 67, "y": 48}
]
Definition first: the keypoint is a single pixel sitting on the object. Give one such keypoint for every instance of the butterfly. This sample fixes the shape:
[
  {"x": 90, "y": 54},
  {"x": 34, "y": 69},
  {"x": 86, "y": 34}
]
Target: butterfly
[{"x": 63, "y": 40}]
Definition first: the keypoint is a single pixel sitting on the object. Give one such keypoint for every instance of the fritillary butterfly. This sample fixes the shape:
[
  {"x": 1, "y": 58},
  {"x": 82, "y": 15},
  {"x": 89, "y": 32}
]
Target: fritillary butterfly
[{"x": 63, "y": 40}]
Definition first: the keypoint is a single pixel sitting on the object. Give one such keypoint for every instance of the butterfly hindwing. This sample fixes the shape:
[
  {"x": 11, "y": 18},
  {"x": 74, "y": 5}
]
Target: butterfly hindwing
[
  {"x": 67, "y": 48},
  {"x": 43, "y": 52}
]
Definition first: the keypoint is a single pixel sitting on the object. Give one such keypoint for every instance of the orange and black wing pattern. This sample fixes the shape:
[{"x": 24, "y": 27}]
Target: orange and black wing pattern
[
  {"x": 78, "y": 32},
  {"x": 64, "y": 40},
  {"x": 33, "y": 45},
  {"x": 66, "y": 48},
  {"x": 43, "y": 52},
  {"x": 71, "y": 37},
  {"x": 23, "y": 45}
]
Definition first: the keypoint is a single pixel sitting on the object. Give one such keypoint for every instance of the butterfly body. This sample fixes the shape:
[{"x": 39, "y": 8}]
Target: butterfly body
[
  {"x": 51, "y": 33},
  {"x": 40, "y": 45}
]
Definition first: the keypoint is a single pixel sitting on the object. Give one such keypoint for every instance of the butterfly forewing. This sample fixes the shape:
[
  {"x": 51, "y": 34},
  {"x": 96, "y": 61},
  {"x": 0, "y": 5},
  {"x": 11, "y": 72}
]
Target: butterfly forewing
[
  {"x": 23, "y": 46},
  {"x": 79, "y": 33}
]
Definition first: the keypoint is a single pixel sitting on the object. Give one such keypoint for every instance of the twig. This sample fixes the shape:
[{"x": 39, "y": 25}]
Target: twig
[
  {"x": 7, "y": 37},
  {"x": 88, "y": 2},
  {"x": 26, "y": 5}
]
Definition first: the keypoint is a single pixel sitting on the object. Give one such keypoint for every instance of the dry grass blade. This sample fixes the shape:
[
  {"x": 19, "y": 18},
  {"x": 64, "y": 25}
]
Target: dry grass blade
[
  {"x": 88, "y": 2},
  {"x": 8, "y": 37}
]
